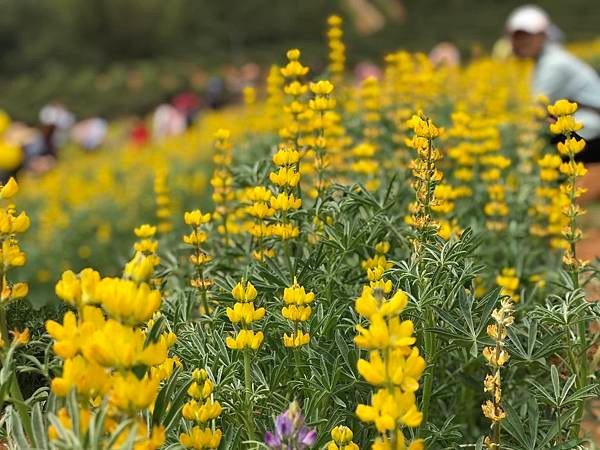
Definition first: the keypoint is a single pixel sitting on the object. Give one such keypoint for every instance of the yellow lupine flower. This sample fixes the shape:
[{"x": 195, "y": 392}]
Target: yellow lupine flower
[
  {"x": 296, "y": 339},
  {"x": 145, "y": 231},
  {"x": 296, "y": 313},
  {"x": 245, "y": 313},
  {"x": 565, "y": 125},
  {"x": 571, "y": 145},
  {"x": 285, "y": 202},
  {"x": 244, "y": 294},
  {"x": 11, "y": 255},
  {"x": 382, "y": 335},
  {"x": 368, "y": 306},
  {"x": 201, "y": 411},
  {"x": 201, "y": 438},
  {"x": 562, "y": 108},
  {"x": 78, "y": 290},
  {"x": 119, "y": 346},
  {"x": 196, "y": 218},
  {"x": 130, "y": 393},
  {"x": 245, "y": 339},
  {"x": 89, "y": 380},
  {"x": 127, "y": 301},
  {"x": 387, "y": 408},
  {"x": 9, "y": 189}
]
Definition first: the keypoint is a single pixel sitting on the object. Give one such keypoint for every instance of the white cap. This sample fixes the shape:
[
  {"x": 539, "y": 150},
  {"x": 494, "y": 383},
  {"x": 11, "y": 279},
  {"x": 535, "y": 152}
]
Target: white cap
[{"x": 529, "y": 18}]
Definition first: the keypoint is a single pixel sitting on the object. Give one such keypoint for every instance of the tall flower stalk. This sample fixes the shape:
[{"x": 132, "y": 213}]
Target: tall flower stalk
[{"x": 496, "y": 357}]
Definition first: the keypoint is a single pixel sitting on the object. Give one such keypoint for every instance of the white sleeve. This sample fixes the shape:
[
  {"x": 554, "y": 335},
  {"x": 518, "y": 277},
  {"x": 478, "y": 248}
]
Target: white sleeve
[{"x": 551, "y": 80}]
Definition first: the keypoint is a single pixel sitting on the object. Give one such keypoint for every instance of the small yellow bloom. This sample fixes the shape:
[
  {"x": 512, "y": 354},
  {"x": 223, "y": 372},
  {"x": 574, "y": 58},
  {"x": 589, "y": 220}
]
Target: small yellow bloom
[
  {"x": 20, "y": 337},
  {"x": 195, "y": 218},
  {"x": 9, "y": 189}
]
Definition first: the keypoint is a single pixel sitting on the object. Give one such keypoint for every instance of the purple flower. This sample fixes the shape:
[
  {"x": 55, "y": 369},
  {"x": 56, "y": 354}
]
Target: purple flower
[
  {"x": 284, "y": 425},
  {"x": 271, "y": 440},
  {"x": 307, "y": 437},
  {"x": 290, "y": 432}
]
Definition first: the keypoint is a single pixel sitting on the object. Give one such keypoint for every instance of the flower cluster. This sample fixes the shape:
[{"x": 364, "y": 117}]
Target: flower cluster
[
  {"x": 145, "y": 260},
  {"x": 275, "y": 97},
  {"x": 321, "y": 104},
  {"x": 496, "y": 357},
  {"x": 342, "y": 439},
  {"x": 11, "y": 255},
  {"x": 201, "y": 410},
  {"x": 290, "y": 433},
  {"x": 425, "y": 173},
  {"x": 108, "y": 341},
  {"x": 297, "y": 309},
  {"x": 571, "y": 169},
  {"x": 286, "y": 180},
  {"x": 244, "y": 314},
  {"x": 337, "y": 49},
  {"x": 222, "y": 182},
  {"x": 163, "y": 201},
  {"x": 199, "y": 258},
  {"x": 393, "y": 366}
]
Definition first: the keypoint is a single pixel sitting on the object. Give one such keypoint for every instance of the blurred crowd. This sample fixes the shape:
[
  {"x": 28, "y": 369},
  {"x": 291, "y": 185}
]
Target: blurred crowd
[{"x": 529, "y": 33}]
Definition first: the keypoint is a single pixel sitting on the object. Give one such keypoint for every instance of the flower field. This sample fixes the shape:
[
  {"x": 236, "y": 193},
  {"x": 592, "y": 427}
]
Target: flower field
[{"x": 385, "y": 265}]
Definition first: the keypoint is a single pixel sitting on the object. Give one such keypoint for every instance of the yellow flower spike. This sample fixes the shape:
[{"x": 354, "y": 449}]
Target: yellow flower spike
[
  {"x": 140, "y": 268},
  {"x": 244, "y": 294},
  {"x": 145, "y": 231},
  {"x": 245, "y": 339},
  {"x": 128, "y": 393},
  {"x": 321, "y": 87},
  {"x": 87, "y": 378},
  {"x": 201, "y": 438},
  {"x": 196, "y": 218},
  {"x": 296, "y": 339},
  {"x": 66, "y": 336},
  {"x": 334, "y": 21},
  {"x": 562, "y": 108},
  {"x": 11, "y": 254},
  {"x": 127, "y": 301},
  {"x": 19, "y": 224},
  {"x": 9, "y": 189},
  {"x": 245, "y": 313},
  {"x": 20, "y": 337},
  {"x": 293, "y": 54},
  {"x": 119, "y": 346},
  {"x": 222, "y": 134},
  {"x": 19, "y": 290},
  {"x": 571, "y": 145},
  {"x": 565, "y": 125},
  {"x": 381, "y": 248}
]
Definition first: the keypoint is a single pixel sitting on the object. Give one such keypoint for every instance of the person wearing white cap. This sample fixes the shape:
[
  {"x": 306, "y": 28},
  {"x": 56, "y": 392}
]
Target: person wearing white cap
[{"x": 558, "y": 74}]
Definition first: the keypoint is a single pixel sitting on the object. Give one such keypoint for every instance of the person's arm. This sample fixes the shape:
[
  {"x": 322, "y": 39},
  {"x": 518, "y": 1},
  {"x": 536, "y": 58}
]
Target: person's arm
[{"x": 551, "y": 79}]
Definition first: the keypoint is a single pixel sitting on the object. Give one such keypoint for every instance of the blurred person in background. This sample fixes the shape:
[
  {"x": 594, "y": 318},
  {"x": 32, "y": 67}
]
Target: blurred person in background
[
  {"x": 55, "y": 122},
  {"x": 445, "y": 54},
  {"x": 89, "y": 133},
  {"x": 558, "y": 74},
  {"x": 167, "y": 121},
  {"x": 139, "y": 135}
]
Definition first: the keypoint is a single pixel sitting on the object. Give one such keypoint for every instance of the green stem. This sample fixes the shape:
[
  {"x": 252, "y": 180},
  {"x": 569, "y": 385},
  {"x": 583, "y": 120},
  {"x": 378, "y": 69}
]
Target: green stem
[
  {"x": 249, "y": 405},
  {"x": 429, "y": 344},
  {"x": 15, "y": 391}
]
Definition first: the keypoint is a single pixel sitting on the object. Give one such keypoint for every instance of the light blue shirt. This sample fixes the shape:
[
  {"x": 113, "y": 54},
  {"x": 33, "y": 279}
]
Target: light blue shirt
[{"x": 559, "y": 74}]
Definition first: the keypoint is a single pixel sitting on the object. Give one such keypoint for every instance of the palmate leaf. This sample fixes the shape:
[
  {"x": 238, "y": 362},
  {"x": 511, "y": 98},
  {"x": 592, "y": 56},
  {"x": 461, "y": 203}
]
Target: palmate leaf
[
  {"x": 534, "y": 351},
  {"x": 467, "y": 324}
]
